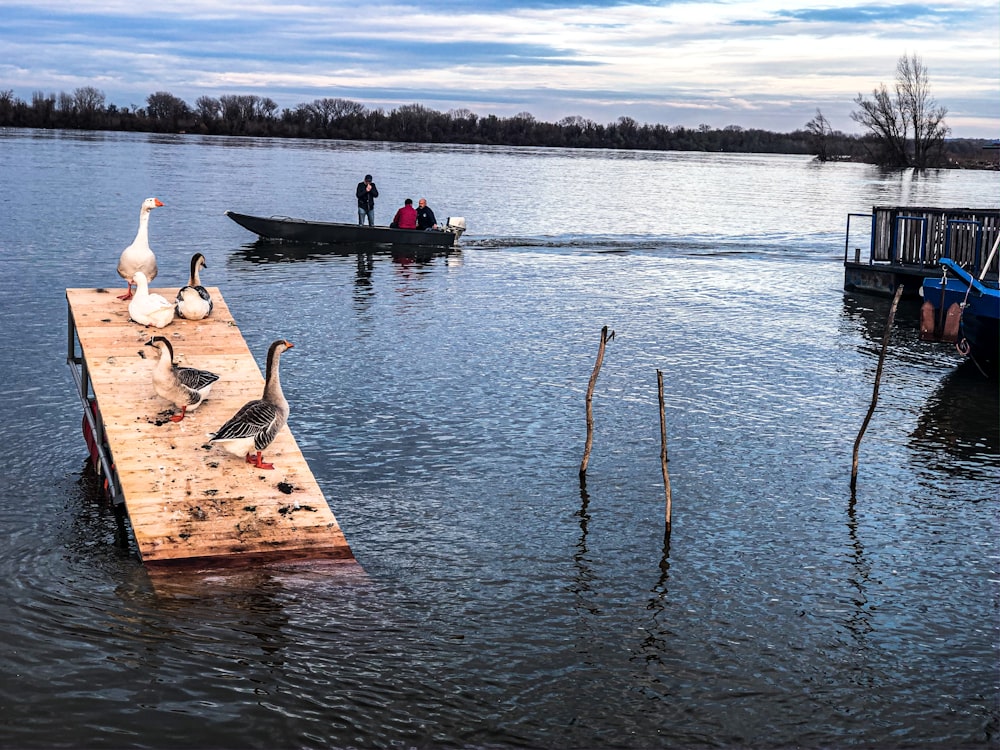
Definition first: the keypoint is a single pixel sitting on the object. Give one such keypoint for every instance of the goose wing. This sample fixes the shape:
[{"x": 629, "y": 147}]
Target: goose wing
[
  {"x": 194, "y": 378},
  {"x": 194, "y": 302},
  {"x": 258, "y": 419},
  {"x": 203, "y": 293},
  {"x": 150, "y": 309}
]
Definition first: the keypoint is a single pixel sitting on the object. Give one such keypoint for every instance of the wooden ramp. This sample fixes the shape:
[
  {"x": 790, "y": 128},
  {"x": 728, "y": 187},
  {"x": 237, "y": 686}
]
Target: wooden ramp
[{"x": 188, "y": 501}]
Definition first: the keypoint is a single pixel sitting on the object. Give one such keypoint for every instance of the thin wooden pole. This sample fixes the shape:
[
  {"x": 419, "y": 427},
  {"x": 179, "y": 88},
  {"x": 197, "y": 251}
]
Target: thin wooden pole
[
  {"x": 663, "y": 449},
  {"x": 590, "y": 403},
  {"x": 878, "y": 379}
]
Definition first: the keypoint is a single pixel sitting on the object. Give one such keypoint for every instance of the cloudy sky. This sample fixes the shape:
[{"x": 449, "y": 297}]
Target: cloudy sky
[{"x": 753, "y": 63}]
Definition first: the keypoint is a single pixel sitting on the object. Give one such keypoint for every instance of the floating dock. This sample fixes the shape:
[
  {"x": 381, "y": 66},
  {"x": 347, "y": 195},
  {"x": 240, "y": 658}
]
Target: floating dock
[
  {"x": 904, "y": 244},
  {"x": 187, "y": 501}
]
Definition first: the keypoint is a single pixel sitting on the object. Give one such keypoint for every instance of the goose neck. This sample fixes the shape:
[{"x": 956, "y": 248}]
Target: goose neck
[{"x": 272, "y": 379}]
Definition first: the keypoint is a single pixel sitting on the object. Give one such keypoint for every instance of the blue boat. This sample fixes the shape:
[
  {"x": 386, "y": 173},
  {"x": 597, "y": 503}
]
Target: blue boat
[{"x": 964, "y": 310}]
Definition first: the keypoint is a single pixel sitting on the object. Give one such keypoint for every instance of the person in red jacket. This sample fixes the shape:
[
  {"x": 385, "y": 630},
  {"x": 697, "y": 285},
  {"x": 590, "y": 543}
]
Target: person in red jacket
[{"x": 406, "y": 217}]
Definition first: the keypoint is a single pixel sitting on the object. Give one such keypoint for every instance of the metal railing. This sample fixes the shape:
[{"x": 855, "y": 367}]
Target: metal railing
[
  {"x": 919, "y": 238},
  {"x": 102, "y": 462}
]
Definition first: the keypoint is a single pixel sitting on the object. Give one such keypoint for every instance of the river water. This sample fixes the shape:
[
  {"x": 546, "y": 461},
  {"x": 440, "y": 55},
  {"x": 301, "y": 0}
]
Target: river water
[{"x": 441, "y": 407}]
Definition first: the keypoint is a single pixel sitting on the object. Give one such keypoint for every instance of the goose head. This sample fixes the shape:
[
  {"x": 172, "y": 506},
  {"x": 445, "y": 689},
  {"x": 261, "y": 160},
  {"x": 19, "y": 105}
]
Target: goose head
[{"x": 162, "y": 344}]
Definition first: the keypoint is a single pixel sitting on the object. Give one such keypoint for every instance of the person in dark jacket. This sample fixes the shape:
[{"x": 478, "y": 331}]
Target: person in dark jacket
[
  {"x": 425, "y": 217},
  {"x": 367, "y": 193},
  {"x": 406, "y": 217}
]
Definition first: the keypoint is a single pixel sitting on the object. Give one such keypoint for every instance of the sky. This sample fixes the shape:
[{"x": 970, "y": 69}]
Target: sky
[{"x": 767, "y": 64}]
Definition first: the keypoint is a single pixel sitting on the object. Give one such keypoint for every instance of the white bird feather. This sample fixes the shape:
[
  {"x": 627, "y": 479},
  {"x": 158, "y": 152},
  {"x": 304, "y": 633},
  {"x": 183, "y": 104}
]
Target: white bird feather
[{"x": 139, "y": 256}]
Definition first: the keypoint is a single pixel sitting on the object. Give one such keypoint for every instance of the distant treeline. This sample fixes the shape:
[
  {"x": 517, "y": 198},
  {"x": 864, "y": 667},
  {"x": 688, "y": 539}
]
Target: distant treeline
[{"x": 252, "y": 115}]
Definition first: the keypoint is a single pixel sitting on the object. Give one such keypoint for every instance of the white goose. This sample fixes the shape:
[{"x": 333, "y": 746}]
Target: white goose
[
  {"x": 185, "y": 387},
  {"x": 139, "y": 256},
  {"x": 257, "y": 423},
  {"x": 149, "y": 309},
  {"x": 193, "y": 300}
]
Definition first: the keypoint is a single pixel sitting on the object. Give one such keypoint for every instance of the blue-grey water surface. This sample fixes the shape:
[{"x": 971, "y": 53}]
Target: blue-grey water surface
[{"x": 440, "y": 405}]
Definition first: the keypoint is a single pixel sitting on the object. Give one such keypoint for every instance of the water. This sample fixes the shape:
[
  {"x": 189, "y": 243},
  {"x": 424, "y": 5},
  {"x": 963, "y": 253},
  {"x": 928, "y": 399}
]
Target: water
[{"x": 441, "y": 408}]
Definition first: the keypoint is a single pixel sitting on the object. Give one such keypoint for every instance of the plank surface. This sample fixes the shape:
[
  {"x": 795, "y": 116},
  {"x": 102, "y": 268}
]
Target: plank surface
[{"x": 187, "y": 500}]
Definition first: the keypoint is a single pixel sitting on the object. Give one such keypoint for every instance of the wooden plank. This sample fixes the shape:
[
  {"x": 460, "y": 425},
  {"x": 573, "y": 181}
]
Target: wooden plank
[{"x": 186, "y": 500}]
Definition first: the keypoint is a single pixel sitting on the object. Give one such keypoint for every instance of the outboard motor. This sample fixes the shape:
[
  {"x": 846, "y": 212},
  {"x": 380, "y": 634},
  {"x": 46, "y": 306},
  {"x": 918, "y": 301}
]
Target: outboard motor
[{"x": 455, "y": 224}]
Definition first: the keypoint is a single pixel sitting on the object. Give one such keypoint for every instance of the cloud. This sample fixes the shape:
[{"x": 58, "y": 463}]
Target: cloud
[
  {"x": 880, "y": 14},
  {"x": 754, "y": 63}
]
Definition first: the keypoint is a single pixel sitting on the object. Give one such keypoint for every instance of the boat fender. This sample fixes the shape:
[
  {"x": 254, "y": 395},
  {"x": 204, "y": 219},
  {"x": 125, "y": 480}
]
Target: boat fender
[
  {"x": 927, "y": 327},
  {"x": 952, "y": 321}
]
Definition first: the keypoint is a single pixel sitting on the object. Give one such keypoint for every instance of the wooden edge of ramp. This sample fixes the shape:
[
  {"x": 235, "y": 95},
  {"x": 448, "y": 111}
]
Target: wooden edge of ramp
[{"x": 188, "y": 502}]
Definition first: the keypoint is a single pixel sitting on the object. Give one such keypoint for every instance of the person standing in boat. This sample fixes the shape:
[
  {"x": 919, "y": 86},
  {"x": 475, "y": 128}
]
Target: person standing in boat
[
  {"x": 425, "y": 216},
  {"x": 367, "y": 193},
  {"x": 406, "y": 217}
]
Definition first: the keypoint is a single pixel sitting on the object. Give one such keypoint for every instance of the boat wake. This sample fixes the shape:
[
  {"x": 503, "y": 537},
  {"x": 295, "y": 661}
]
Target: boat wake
[{"x": 691, "y": 246}]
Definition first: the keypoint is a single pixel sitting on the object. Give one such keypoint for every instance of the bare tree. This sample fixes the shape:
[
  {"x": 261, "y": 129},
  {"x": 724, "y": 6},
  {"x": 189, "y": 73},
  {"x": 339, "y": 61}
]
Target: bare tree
[
  {"x": 245, "y": 108},
  {"x": 167, "y": 107},
  {"x": 820, "y": 130},
  {"x": 576, "y": 121},
  {"x": 322, "y": 113},
  {"x": 87, "y": 100},
  {"x": 906, "y": 127},
  {"x": 208, "y": 108},
  {"x": 925, "y": 116},
  {"x": 43, "y": 105},
  {"x": 7, "y": 103},
  {"x": 885, "y": 125},
  {"x": 266, "y": 107},
  {"x": 342, "y": 108}
]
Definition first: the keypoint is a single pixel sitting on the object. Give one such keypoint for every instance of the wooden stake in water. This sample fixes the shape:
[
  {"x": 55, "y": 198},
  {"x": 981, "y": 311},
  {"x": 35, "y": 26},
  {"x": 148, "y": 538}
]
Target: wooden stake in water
[
  {"x": 663, "y": 448},
  {"x": 878, "y": 378},
  {"x": 605, "y": 337}
]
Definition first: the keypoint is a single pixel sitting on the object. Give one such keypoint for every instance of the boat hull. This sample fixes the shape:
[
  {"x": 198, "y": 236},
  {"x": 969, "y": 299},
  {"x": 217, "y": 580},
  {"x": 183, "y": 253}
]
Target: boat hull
[
  {"x": 332, "y": 233},
  {"x": 978, "y": 307}
]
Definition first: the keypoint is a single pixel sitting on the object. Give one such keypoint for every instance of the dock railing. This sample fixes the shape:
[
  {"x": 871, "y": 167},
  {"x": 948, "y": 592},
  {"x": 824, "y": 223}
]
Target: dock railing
[
  {"x": 917, "y": 237},
  {"x": 870, "y": 218},
  {"x": 93, "y": 425}
]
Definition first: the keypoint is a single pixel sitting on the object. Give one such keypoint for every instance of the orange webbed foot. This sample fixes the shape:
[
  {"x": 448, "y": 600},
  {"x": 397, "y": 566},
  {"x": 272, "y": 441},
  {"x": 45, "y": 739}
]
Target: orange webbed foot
[{"x": 258, "y": 461}]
